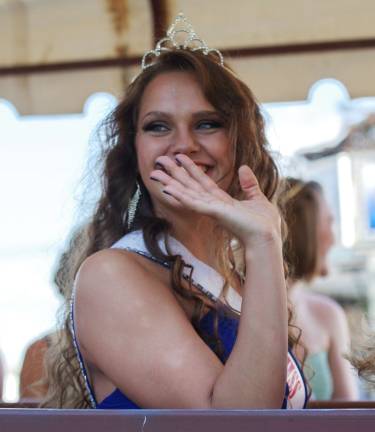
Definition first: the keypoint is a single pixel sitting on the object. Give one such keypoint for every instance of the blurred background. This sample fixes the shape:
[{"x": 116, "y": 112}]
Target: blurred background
[{"x": 65, "y": 63}]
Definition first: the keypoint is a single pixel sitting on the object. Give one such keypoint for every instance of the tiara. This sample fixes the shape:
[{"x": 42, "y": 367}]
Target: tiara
[{"x": 180, "y": 35}]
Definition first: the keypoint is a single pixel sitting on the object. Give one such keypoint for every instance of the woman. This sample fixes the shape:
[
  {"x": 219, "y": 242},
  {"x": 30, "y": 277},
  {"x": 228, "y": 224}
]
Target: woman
[
  {"x": 33, "y": 380},
  {"x": 155, "y": 311},
  {"x": 324, "y": 327}
]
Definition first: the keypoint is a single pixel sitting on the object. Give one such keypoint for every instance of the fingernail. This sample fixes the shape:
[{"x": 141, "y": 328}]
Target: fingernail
[
  {"x": 159, "y": 166},
  {"x": 167, "y": 193},
  {"x": 178, "y": 163},
  {"x": 155, "y": 179}
]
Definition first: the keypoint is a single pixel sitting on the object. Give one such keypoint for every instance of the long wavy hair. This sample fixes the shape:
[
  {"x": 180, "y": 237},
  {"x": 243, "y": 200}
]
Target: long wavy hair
[
  {"x": 299, "y": 202},
  {"x": 244, "y": 122}
]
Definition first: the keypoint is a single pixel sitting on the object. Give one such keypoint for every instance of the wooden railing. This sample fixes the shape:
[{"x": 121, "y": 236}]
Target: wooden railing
[
  {"x": 21, "y": 404},
  {"x": 311, "y": 420},
  {"x": 32, "y": 403},
  {"x": 342, "y": 405}
]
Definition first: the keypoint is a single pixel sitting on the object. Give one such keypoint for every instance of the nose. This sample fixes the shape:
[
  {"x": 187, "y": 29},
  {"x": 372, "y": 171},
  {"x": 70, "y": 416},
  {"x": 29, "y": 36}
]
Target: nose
[
  {"x": 184, "y": 141},
  {"x": 331, "y": 229}
]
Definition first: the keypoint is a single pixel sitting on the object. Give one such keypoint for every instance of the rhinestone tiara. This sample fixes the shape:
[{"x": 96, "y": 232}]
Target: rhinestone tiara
[{"x": 180, "y": 35}]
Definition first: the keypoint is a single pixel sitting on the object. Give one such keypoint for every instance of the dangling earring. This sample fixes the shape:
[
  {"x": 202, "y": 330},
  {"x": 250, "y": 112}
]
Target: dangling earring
[{"x": 133, "y": 204}]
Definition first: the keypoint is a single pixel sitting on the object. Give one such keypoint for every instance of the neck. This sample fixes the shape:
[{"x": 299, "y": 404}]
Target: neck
[
  {"x": 197, "y": 235},
  {"x": 296, "y": 289},
  {"x": 195, "y": 232}
]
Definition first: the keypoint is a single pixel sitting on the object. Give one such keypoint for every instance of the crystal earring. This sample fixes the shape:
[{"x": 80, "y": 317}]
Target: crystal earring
[{"x": 133, "y": 204}]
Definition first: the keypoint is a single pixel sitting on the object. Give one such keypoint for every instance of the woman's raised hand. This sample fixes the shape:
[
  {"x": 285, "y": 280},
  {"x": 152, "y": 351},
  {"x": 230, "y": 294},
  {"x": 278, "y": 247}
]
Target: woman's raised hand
[{"x": 253, "y": 220}]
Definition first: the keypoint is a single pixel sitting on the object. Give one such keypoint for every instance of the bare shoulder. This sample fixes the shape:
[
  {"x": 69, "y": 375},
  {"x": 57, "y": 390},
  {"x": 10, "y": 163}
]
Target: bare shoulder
[
  {"x": 111, "y": 268},
  {"x": 327, "y": 310},
  {"x": 108, "y": 260},
  {"x": 105, "y": 263},
  {"x": 114, "y": 278}
]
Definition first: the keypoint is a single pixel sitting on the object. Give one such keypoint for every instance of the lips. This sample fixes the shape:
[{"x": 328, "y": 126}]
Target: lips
[{"x": 204, "y": 168}]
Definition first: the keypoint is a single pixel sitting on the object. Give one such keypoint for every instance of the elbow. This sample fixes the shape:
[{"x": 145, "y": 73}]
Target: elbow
[
  {"x": 264, "y": 400},
  {"x": 277, "y": 397},
  {"x": 274, "y": 400}
]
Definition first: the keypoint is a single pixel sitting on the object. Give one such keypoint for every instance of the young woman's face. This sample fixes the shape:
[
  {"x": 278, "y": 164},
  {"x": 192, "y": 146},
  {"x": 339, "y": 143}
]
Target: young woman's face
[
  {"x": 325, "y": 234},
  {"x": 175, "y": 118}
]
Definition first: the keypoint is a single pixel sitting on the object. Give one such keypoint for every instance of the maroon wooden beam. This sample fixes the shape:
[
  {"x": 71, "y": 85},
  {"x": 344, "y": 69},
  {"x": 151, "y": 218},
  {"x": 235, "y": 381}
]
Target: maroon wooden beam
[
  {"x": 69, "y": 66},
  {"x": 301, "y": 48},
  {"x": 239, "y": 52},
  {"x": 160, "y": 18}
]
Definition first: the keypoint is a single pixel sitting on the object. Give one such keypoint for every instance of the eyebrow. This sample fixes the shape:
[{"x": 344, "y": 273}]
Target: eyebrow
[{"x": 197, "y": 114}]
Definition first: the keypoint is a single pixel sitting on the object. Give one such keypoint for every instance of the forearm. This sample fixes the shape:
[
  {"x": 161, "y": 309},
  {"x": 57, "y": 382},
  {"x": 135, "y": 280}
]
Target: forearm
[
  {"x": 255, "y": 373},
  {"x": 346, "y": 391},
  {"x": 344, "y": 378},
  {"x": 345, "y": 385}
]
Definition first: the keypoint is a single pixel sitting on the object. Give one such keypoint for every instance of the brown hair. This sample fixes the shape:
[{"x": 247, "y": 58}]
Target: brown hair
[
  {"x": 300, "y": 206},
  {"x": 245, "y": 125}
]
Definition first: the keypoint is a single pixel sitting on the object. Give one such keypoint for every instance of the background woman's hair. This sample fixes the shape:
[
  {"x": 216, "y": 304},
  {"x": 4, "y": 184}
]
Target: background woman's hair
[
  {"x": 242, "y": 118},
  {"x": 362, "y": 355},
  {"x": 300, "y": 207}
]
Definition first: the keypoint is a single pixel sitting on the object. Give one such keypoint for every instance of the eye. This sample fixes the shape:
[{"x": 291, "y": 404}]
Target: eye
[
  {"x": 209, "y": 125},
  {"x": 156, "y": 127}
]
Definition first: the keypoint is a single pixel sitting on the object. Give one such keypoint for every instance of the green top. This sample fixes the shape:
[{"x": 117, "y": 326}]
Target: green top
[{"x": 319, "y": 375}]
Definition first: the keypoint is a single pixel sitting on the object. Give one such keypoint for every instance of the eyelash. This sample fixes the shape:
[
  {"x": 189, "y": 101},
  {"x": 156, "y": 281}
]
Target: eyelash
[
  {"x": 156, "y": 126},
  {"x": 213, "y": 124}
]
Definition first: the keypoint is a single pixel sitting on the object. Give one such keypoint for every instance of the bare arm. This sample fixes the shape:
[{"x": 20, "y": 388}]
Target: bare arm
[
  {"x": 261, "y": 346},
  {"x": 344, "y": 381},
  {"x": 33, "y": 371},
  {"x": 145, "y": 343}
]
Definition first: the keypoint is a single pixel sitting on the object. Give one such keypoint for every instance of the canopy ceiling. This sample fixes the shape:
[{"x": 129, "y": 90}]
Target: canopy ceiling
[{"x": 55, "y": 53}]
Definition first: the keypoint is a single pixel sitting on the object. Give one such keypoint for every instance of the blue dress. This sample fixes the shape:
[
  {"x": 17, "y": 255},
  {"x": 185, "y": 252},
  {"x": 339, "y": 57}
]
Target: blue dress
[{"x": 227, "y": 332}]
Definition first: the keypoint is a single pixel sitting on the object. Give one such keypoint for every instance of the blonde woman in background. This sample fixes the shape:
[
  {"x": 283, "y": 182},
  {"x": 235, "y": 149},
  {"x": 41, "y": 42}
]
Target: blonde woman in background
[{"x": 33, "y": 384}]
